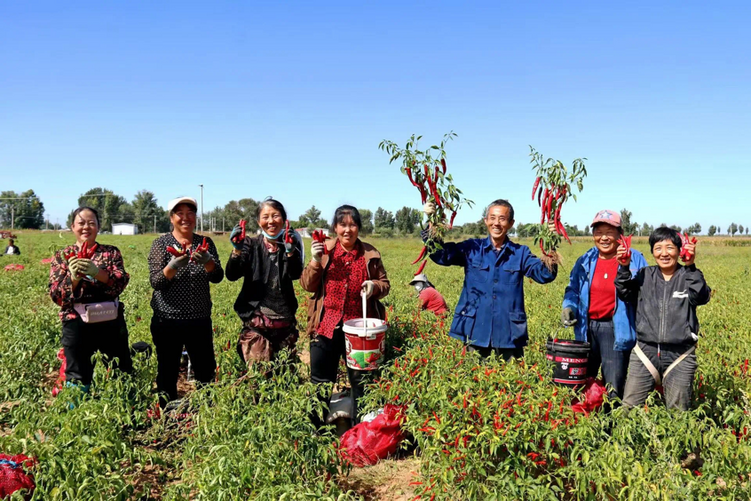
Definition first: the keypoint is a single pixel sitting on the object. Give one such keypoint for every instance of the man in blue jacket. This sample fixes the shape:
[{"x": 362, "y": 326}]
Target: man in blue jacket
[
  {"x": 490, "y": 315},
  {"x": 591, "y": 306}
]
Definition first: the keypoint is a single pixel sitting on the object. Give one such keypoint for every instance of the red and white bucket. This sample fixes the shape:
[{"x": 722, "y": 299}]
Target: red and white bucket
[{"x": 365, "y": 342}]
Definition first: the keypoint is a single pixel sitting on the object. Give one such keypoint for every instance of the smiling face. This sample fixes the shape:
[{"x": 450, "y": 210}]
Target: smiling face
[
  {"x": 347, "y": 231},
  {"x": 271, "y": 220},
  {"x": 85, "y": 227},
  {"x": 183, "y": 218},
  {"x": 666, "y": 254},
  {"x": 606, "y": 239},
  {"x": 498, "y": 220}
]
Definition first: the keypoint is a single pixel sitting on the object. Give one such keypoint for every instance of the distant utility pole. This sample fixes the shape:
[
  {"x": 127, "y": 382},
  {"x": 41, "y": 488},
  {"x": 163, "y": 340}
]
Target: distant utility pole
[
  {"x": 154, "y": 223},
  {"x": 12, "y": 217},
  {"x": 201, "y": 207}
]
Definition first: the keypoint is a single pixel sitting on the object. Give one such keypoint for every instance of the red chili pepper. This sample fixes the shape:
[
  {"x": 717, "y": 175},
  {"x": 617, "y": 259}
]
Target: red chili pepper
[
  {"x": 534, "y": 186},
  {"x": 423, "y": 252},
  {"x": 625, "y": 242},
  {"x": 174, "y": 251},
  {"x": 438, "y": 420},
  {"x": 241, "y": 236},
  {"x": 422, "y": 267},
  {"x": 451, "y": 221},
  {"x": 319, "y": 236}
]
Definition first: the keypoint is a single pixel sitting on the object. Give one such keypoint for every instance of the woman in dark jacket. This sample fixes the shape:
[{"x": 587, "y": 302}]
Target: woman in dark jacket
[
  {"x": 341, "y": 270},
  {"x": 268, "y": 264},
  {"x": 182, "y": 299}
]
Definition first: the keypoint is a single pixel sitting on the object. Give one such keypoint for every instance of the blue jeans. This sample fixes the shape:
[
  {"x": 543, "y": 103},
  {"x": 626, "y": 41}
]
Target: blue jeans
[{"x": 614, "y": 363}]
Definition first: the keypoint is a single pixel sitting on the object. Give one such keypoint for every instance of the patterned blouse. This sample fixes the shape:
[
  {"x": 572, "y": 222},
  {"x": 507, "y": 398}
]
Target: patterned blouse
[
  {"x": 343, "y": 283},
  {"x": 108, "y": 258},
  {"x": 187, "y": 296}
]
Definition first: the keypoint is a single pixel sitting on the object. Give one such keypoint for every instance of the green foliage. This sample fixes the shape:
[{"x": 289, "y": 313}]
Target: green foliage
[{"x": 21, "y": 210}]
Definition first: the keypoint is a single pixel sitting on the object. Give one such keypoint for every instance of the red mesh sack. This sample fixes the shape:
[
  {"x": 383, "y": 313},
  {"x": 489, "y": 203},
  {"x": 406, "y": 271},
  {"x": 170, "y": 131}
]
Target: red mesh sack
[
  {"x": 594, "y": 392},
  {"x": 367, "y": 443},
  {"x": 61, "y": 375},
  {"x": 13, "y": 476}
]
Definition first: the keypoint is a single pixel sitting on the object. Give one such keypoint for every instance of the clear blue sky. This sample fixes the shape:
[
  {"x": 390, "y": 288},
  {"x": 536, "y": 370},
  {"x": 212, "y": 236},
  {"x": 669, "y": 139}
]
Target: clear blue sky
[{"x": 292, "y": 98}]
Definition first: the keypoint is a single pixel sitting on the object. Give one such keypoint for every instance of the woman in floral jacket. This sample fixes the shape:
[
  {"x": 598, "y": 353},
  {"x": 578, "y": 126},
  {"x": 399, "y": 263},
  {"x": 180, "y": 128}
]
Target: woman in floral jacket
[{"x": 86, "y": 280}]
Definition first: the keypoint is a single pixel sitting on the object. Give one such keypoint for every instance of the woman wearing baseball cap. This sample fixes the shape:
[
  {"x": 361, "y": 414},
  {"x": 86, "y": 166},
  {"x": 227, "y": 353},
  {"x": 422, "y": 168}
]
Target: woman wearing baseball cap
[
  {"x": 182, "y": 298},
  {"x": 590, "y": 304}
]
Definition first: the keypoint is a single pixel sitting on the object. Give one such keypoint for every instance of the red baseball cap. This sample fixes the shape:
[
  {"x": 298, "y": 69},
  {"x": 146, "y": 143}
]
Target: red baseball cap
[{"x": 608, "y": 217}]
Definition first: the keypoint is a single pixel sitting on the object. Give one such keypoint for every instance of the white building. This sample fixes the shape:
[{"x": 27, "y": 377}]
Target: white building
[{"x": 124, "y": 229}]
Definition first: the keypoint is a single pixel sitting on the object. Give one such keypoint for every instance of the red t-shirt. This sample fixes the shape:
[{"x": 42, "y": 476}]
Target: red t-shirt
[
  {"x": 431, "y": 299},
  {"x": 602, "y": 291}
]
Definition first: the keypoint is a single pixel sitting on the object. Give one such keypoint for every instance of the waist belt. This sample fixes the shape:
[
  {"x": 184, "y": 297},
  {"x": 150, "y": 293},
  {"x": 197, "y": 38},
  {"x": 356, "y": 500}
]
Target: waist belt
[{"x": 653, "y": 370}]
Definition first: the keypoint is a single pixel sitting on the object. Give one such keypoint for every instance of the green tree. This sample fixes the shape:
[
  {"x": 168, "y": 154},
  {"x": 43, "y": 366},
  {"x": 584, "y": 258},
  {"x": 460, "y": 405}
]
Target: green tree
[
  {"x": 628, "y": 227},
  {"x": 740, "y": 229},
  {"x": 712, "y": 230},
  {"x": 366, "y": 216},
  {"x": 383, "y": 219},
  {"x": 732, "y": 229},
  {"x": 245, "y": 208},
  {"x": 108, "y": 204},
  {"x": 312, "y": 219},
  {"x": 21, "y": 210},
  {"x": 404, "y": 220},
  {"x": 148, "y": 216}
]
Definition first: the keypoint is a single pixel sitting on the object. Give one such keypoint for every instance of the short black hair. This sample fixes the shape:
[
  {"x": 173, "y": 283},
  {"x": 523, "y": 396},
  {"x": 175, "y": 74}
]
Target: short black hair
[
  {"x": 500, "y": 203},
  {"x": 664, "y": 233},
  {"x": 274, "y": 204},
  {"x": 342, "y": 212},
  {"x": 11, "y": 241},
  {"x": 83, "y": 208}
]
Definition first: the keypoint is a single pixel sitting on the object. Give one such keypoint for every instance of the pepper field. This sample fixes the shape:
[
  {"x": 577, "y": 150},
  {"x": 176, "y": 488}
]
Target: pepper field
[{"x": 476, "y": 430}]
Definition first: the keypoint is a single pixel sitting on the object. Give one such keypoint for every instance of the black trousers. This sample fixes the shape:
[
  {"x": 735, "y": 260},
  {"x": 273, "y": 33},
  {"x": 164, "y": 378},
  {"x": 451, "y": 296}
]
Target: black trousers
[
  {"x": 81, "y": 340},
  {"x": 325, "y": 354},
  {"x": 169, "y": 337}
]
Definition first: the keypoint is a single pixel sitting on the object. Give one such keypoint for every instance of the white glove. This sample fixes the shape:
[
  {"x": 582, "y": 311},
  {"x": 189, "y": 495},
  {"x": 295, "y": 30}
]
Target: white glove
[
  {"x": 316, "y": 251},
  {"x": 368, "y": 287},
  {"x": 428, "y": 208}
]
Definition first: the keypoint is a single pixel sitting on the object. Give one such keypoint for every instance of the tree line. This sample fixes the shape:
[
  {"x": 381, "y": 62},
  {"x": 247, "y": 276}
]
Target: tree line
[{"x": 26, "y": 211}]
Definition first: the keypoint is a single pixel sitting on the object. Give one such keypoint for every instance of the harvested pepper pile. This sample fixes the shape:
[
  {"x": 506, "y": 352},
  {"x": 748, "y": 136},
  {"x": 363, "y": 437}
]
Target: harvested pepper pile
[
  {"x": 552, "y": 187},
  {"x": 427, "y": 171}
]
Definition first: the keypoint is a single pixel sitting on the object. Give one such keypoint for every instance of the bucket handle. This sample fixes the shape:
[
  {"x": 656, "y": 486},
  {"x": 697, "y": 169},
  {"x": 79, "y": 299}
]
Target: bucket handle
[{"x": 364, "y": 312}]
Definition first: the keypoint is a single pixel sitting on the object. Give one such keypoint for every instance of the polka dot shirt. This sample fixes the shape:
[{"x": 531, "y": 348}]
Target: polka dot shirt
[{"x": 187, "y": 296}]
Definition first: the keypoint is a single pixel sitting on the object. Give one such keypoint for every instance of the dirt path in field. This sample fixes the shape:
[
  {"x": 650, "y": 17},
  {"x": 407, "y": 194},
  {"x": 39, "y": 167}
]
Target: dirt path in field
[{"x": 388, "y": 480}]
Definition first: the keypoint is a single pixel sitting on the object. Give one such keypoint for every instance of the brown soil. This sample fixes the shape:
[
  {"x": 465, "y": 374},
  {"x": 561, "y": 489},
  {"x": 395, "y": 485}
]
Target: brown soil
[{"x": 387, "y": 480}]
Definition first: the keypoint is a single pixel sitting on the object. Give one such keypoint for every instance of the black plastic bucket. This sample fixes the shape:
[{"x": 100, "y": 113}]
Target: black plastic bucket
[{"x": 570, "y": 360}]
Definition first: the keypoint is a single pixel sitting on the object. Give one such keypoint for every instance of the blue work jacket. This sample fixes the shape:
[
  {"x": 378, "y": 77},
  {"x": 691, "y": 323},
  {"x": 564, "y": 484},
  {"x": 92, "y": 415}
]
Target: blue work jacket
[
  {"x": 577, "y": 298},
  {"x": 491, "y": 311}
]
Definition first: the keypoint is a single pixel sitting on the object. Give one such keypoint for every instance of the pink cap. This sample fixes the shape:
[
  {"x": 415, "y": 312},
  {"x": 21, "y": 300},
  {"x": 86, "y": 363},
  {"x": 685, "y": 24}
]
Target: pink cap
[{"x": 608, "y": 217}]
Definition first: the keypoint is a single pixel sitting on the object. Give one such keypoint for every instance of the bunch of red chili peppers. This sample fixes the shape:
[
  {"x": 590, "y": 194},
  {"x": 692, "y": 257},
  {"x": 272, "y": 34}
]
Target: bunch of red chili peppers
[
  {"x": 685, "y": 240},
  {"x": 552, "y": 187},
  {"x": 320, "y": 237},
  {"x": 85, "y": 252},
  {"x": 626, "y": 243},
  {"x": 181, "y": 250},
  {"x": 239, "y": 238},
  {"x": 428, "y": 174}
]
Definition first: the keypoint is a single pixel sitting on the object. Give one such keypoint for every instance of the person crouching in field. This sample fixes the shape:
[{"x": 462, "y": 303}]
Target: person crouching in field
[
  {"x": 267, "y": 303},
  {"x": 665, "y": 296},
  {"x": 430, "y": 299},
  {"x": 182, "y": 299},
  {"x": 339, "y": 271},
  {"x": 86, "y": 280},
  {"x": 490, "y": 315},
  {"x": 592, "y": 307}
]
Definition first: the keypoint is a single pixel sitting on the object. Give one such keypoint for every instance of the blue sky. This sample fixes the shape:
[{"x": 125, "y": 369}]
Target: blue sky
[{"x": 291, "y": 99}]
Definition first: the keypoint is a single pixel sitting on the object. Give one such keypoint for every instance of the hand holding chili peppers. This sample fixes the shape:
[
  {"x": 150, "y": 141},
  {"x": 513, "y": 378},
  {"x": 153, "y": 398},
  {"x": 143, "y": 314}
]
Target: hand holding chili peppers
[
  {"x": 688, "y": 248},
  {"x": 237, "y": 236},
  {"x": 180, "y": 255},
  {"x": 85, "y": 267},
  {"x": 624, "y": 257},
  {"x": 320, "y": 237},
  {"x": 623, "y": 253},
  {"x": 553, "y": 186},
  {"x": 84, "y": 253},
  {"x": 288, "y": 240},
  {"x": 440, "y": 198},
  {"x": 201, "y": 255}
]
